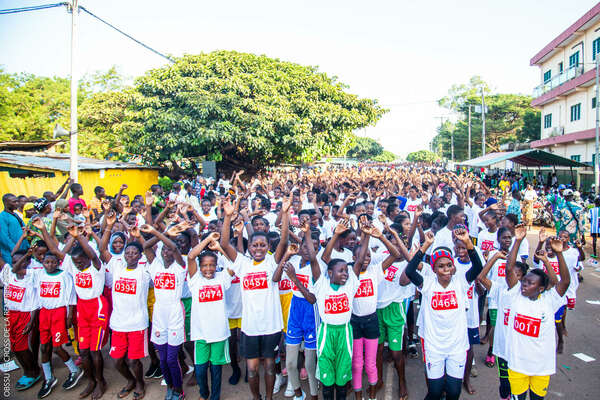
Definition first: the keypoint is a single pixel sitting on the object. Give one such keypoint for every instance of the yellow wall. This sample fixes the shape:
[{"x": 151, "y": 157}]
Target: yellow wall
[{"x": 138, "y": 180}]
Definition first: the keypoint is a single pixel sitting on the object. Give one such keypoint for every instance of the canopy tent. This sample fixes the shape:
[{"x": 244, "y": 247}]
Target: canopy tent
[{"x": 528, "y": 158}]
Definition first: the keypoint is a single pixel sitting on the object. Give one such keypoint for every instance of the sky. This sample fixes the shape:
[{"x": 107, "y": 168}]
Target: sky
[{"x": 405, "y": 54}]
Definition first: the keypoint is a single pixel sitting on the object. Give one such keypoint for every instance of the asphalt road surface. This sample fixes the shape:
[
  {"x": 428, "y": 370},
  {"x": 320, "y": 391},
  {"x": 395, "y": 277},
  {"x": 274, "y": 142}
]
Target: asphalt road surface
[{"x": 574, "y": 379}]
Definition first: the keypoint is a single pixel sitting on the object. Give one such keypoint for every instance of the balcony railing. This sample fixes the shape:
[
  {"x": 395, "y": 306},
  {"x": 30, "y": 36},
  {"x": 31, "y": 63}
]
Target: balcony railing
[{"x": 571, "y": 73}]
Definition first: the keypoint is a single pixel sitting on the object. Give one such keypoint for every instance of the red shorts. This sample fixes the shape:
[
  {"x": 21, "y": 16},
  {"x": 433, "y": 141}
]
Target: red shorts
[
  {"x": 92, "y": 322},
  {"x": 17, "y": 320},
  {"x": 53, "y": 326},
  {"x": 570, "y": 303},
  {"x": 134, "y": 344}
]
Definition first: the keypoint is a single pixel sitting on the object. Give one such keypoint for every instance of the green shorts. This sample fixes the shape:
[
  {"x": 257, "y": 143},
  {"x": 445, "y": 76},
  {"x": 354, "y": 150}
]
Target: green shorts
[
  {"x": 217, "y": 352},
  {"x": 392, "y": 320},
  {"x": 334, "y": 352},
  {"x": 493, "y": 316},
  {"x": 187, "y": 305}
]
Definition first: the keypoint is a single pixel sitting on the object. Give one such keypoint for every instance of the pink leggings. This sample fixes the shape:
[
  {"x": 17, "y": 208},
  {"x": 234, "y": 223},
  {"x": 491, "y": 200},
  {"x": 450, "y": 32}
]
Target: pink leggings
[{"x": 369, "y": 361}]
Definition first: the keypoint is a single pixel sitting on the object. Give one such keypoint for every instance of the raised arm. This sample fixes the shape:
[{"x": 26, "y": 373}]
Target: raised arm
[
  {"x": 476, "y": 266},
  {"x": 411, "y": 269},
  {"x": 285, "y": 229},
  {"x": 110, "y": 217},
  {"x": 482, "y": 277},
  {"x": 38, "y": 223},
  {"x": 360, "y": 259},
  {"x": 292, "y": 249},
  {"x": 339, "y": 229},
  {"x": 511, "y": 277},
  {"x": 291, "y": 273},
  {"x": 228, "y": 208},
  {"x": 83, "y": 242}
]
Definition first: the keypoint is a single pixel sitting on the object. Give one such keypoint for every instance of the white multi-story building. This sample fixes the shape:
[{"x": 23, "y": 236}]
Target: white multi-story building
[{"x": 566, "y": 94}]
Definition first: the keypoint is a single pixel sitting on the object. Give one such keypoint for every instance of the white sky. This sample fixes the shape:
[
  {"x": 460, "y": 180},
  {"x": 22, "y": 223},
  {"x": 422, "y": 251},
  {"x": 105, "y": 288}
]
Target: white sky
[{"x": 405, "y": 54}]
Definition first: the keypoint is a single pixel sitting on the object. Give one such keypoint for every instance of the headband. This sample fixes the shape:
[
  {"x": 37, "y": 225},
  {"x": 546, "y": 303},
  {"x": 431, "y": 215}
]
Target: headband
[{"x": 441, "y": 253}]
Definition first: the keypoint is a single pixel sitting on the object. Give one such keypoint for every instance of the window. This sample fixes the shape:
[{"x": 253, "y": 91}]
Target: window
[
  {"x": 560, "y": 67},
  {"x": 547, "y": 120},
  {"x": 547, "y": 76},
  {"x": 593, "y": 102},
  {"x": 595, "y": 48},
  {"x": 574, "y": 60},
  {"x": 576, "y": 112},
  {"x": 576, "y": 157}
]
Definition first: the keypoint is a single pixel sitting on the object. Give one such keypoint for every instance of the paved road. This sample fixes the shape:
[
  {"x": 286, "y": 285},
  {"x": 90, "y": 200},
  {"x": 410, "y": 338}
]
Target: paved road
[{"x": 574, "y": 379}]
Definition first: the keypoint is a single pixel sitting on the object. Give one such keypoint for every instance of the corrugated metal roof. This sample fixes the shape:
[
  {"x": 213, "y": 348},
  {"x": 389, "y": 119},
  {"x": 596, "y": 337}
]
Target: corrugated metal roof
[
  {"x": 529, "y": 157},
  {"x": 23, "y": 145},
  {"x": 62, "y": 162}
]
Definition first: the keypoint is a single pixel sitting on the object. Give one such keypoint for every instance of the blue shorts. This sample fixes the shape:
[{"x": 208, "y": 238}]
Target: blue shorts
[
  {"x": 302, "y": 323},
  {"x": 560, "y": 314},
  {"x": 473, "y": 334}
]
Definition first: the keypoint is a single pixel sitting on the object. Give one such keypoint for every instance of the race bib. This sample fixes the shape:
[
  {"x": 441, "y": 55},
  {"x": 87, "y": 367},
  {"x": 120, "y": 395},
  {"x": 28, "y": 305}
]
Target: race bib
[
  {"x": 210, "y": 293},
  {"x": 411, "y": 208},
  {"x": 365, "y": 289},
  {"x": 165, "y": 281},
  {"x": 555, "y": 267},
  {"x": 502, "y": 270},
  {"x": 303, "y": 280},
  {"x": 390, "y": 273},
  {"x": 83, "y": 280},
  {"x": 15, "y": 293},
  {"x": 236, "y": 279},
  {"x": 125, "y": 286},
  {"x": 528, "y": 326},
  {"x": 487, "y": 245},
  {"x": 255, "y": 281},
  {"x": 441, "y": 301},
  {"x": 337, "y": 304},
  {"x": 470, "y": 292},
  {"x": 285, "y": 285},
  {"x": 506, "y": 315},
  {"x": 50, "y": 289}
]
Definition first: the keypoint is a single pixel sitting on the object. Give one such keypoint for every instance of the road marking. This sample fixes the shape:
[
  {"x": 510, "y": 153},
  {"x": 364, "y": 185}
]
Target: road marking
[
  {"x": 595, "y": 274},
  {"x": 389, "y": 382},
  {"x": 584, "y": 357},
  {"x": 594, "y": 302}
]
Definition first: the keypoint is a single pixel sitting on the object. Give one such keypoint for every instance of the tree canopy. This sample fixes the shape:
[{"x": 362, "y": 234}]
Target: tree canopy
[
  {"x": 365, "y": 148},
  {"x": 510, "y": 118},
  {"x": 422, "y": 156},
  {"x": 243, "y": 110}
]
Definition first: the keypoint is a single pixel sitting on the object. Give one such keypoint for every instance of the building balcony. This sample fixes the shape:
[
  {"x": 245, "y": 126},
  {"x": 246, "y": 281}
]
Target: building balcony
[{"x": 570, "y": 73}]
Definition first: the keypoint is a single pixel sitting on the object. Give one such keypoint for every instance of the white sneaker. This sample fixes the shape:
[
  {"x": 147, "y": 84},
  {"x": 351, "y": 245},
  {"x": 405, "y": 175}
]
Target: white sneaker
[
  {"x": 278, "y": 383},
  {"x": 302, "y": 397},
  {"x": 289, "y": 391}
]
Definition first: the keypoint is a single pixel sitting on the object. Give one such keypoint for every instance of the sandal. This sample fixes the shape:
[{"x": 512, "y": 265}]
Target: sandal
[
  {"x": 25, "y": 382},
  {"x": 490, "y": 361},
  {"x": 124, "y": 392},
  {"x": 139, "y": 396}
]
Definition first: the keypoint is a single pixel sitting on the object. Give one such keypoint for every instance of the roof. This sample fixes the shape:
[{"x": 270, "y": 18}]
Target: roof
[
  {"x": 61, "y": 162},
  {"x": 566, "y": 138},
  {"x": 528, "y": 158},
  {"x": 568, "y": 34},
  {"x": 23, "y": 145}
]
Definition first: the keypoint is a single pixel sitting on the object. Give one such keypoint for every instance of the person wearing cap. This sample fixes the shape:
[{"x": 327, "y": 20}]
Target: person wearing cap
[{"x": 572, "y": 219}]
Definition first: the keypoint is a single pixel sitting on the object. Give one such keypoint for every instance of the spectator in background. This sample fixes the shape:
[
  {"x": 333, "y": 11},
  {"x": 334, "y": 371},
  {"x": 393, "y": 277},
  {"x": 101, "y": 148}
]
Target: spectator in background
[
  {"x": 530, "y": 198},
  {"x": 515, "y": 204},
  {"x": 76, "y": 193},
  {"x": 11, "y": 227}
]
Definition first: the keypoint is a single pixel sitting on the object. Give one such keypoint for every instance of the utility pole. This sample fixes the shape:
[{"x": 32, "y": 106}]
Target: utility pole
[
  {"x": 469, "y": 141},
  {"x": 483, "y": 123},
  {"x": 452, "y": 145},
  {"x": 596, "y": 161},
  {"x": 74, "y": 84}
]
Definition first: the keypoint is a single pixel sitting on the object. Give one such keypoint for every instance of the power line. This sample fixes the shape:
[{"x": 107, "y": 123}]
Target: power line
[
  {"x": 125, "y": 34},
  {"x": 31, "y": 8}
]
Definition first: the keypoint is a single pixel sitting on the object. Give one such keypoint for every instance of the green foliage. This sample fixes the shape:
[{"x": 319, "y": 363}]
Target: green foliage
[
  {"x": 248, "y": 111},
  {"x": 510, "y": 118},
  {"x": 166, "y": 183},
  {"x": 365, "y": 148},
  {"x": 422, "y": 156},
  {"x": 385, "y": 156}
]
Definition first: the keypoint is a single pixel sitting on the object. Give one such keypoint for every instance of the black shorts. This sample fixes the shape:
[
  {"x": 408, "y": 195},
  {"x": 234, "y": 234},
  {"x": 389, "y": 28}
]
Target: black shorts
[
  {"x": 261, "y": 346},
  {"x": 595, "y": 234},
  {"x": 366, "y": 327}
]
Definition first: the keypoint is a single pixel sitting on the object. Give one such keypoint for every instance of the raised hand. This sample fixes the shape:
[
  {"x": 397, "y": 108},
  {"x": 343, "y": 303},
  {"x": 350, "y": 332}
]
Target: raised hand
[
  {"x": 542, "y": 255},
  {"x": 521, "y": 231},
  {"x": 149, "y": 198},
  {"x": 287, "y": 203},
  {"x": 292, "y": 249},
  {"x": 134, "y": 231},
  {"x": 429, "y": 238},
  {"x": 123, "y": 187},
  {"x": 105, "y": 205},
  {"x": 73, "y": 231},
  {"x": 342, "y": 227},
  {"x": 228, "y": 208},
  {"x": 111, "y": 217},
  {"x": 289, "y": 270},
  {"x": 542, "y": 236},
  {"x": 556, "y": 244},
  {"x": 38, "y": 223},
  {"x": 146, "y": 228},
  {"x": 462, "y": 235}
]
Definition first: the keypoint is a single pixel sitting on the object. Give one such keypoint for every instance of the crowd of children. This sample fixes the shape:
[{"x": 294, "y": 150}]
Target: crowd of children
[{"x": 309, "y": 274}]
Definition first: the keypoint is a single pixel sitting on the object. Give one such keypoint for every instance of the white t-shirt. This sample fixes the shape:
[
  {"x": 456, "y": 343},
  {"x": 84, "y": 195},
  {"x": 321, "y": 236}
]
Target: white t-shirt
[
  {"x": 443, "y": 238},
  {"x": 473, "y": 215},
  {"x": 365, "y": 299},
  {"x": 390, "y": 290},
  {"x": 335, "y": 306},
  {"x": 497, "y": 273},
  {"x": 209, "y": 321},
  {"x": 444, "y": 316},
  {"x": 89, "y": 283},
  {"x": 303, "y": 273},
  {"x": 261, "y": 308},
  {"x": 411, "y": 206},
  {"x": 501, "y": 295},
  {"x": 486, "y": 240},
  {"x": 531, "y": 343},
  {"x": 129, "y": 297},
  {"x": 20, "y": 294},
  {"x": 571, "y": 256},
  {"x": 472, "y": 296},
  {"x": 55, "y": 290},
  {"x": 168, "y": 282}
]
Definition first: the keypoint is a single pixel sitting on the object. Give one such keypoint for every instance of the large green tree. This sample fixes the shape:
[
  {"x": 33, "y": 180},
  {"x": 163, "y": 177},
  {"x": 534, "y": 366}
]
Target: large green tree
[
  {"x": 510, "y": 118},
  {"x": 422, "y": 156},
  {"x": 244, "y": 110},
  {"x": 365, "y": 148}
]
